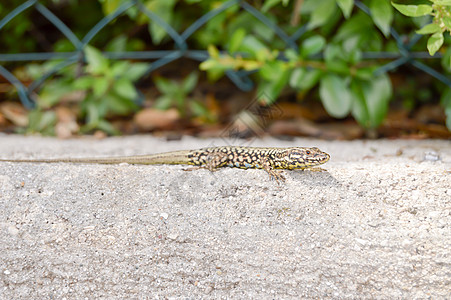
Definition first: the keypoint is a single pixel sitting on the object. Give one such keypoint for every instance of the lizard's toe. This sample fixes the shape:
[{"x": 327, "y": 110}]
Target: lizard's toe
[{"x": 277, "y": 175}]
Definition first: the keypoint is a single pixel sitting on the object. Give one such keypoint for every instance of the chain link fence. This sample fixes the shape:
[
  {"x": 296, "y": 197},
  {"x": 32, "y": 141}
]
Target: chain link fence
[{"x": 159, "y": 58}]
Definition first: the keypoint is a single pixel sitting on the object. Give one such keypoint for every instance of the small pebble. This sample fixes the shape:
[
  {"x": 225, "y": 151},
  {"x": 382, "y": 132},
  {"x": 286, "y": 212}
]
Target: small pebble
[
  {"x": 173, "y": 236},
  {"x": 431, "y": 156},
  {"x": 361, "y": 242},
  {"x": 13, "y": 230}
]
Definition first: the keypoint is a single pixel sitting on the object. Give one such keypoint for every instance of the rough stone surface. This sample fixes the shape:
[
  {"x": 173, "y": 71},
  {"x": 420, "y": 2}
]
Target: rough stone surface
[{"x": 375, "y": 224}]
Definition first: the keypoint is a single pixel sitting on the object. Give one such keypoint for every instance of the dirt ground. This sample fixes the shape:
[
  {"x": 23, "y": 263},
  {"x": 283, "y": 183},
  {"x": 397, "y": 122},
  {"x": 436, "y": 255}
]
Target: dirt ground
[{"x": 375, "y": 224}]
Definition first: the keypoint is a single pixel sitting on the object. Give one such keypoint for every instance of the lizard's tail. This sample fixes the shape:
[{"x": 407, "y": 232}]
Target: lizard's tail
[{"x": 174, "y": 158}]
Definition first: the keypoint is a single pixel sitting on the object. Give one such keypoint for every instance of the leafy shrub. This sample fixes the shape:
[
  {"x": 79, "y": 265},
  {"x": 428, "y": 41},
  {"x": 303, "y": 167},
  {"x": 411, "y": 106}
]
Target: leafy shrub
[
  {"x": 330, "y": 55},
  {"x": 440, "y": 10},
  {"x": 333, "y": 48},
  {"x": 103, "y": 88}
]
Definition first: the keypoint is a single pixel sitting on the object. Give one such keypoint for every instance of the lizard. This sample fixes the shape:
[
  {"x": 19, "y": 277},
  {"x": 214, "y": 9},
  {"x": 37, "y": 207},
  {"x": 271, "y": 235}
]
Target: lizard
[{"x": 268, "y": 158}]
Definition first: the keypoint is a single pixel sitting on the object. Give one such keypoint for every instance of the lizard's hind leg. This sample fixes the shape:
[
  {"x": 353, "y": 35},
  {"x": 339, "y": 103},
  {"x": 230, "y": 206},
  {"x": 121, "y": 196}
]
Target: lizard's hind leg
[
  {"x": 212, "y": 162},
  {"x": 215, "y": 160}
]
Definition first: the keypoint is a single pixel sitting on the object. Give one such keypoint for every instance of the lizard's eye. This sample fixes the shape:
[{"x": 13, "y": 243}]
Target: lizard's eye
[{"x": 308, "y": 152}]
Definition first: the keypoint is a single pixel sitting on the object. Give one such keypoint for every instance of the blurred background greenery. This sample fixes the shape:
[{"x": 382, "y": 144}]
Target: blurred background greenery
[{"x": 321, "y": 68}]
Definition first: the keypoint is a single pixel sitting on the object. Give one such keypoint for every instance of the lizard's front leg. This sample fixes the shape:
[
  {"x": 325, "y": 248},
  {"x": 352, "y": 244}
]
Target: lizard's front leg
[{"x": 273, "y": 174}]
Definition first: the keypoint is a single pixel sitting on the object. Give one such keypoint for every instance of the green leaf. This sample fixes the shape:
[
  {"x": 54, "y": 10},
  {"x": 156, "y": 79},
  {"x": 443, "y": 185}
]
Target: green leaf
[
  {"x": 125, "y": 88},
  {"x": 97, "y": 63},
  {"x": 359, "y": 105},
  {"x": 110, "y": 6},
  {"x": 302, "y": 79},
  {"x": 117, "y": 44},
  {"x": 198, "y": 108},
  {"x": 264, "y": 32},
  {"x": 378, "y": 97},
  {"x": 355, "y": 28},
  {"x": 107, "y": 127},
  {"x": 163, "y": 102},
  {"x": 135, "y": 71},
  {"x": 338, "y": 66},
  {"x": 261, "y": 55},
  {"x": 446, "y": 60},
  {"x": 429, "y": 28},
  {"x": 365, "y": 73},
  {"x": 100, "y": 86},
  {"x": 119, "y": 68},
  {"x": 448, "y": 117},
  {"x": 447, "y": 22},
  {"x": 312, "y": 45},
  {"x": 236, "y": 39},
  {"x": 34, "y": 70},
  {"x": 43, "y": 122},
  {"x": 63, "y": 46},
  {"x": 118, "y": 104},
  {"x": 189, "y": 83},
  {"x": 270, "y": 70},
  {"x": 52, "y": 93},
  {"x": 442, "y": 2},
  {"x": 268, "y": 4},
  {"x": 370, "y": 100},
  {"x": 268, "y": 91},
  {"x": 446, "y": 103},
  {"x": 296, "y": 78},
  {"x": 132, "y": 12},
  {"x": 213, "y": 31},
  {"x": 445, "y": 100},
  {"x": 435, "y": 42},
  {"x": 213, "y": 64},
  {"x": 252, "y": 45},
  {"x": 346, "y": 7},
  {"x": 382, "y": 14},
  {"x": 413, "y": 10},
  {"x": 354, "y": 56},
  {"x": 292, "y": 55},
  {"x": 213, "y": 51},
  {"x": 214, "y": 74},
  {"x": 333, "y": 52},
  {"x": 83, "y": 83},
  {"x": 165, "y": 10},
  {"x": 92, "y": 112},
  {"x": 165, "y": 86},
  {"x": 323, "y": 13},
  {"x": 335, "y": 95}
]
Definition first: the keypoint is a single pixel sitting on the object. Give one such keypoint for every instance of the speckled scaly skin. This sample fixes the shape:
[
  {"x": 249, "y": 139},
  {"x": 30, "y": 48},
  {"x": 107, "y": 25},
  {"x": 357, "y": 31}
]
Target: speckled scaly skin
[{"x": 270, "y": 159}]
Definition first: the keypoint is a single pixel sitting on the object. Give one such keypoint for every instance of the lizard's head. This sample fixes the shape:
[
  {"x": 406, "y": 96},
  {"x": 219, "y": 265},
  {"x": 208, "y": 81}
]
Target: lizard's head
[{"x": 302, "y": 158}]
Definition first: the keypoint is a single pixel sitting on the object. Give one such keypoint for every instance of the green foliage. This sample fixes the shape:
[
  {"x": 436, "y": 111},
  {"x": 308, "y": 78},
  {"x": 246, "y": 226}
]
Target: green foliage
[
  {"x": 335, "y": 95},
  {"x": 164, "y": 9},
  {"x": 440, "y": 10},
  {"x": 346, "y": 7},
  {"x": 382, "y": 15},
  {"x": 41, "y": 122},
  {"x": 176, "y": 94},
  {"x": 446, "y": 102},
  {"x": 105, "y": 88},
  {"x": 346, "y": 85},
  {"x": 328, "y": 58},
  {"x": 370, "y": 100},
  {"x": 329, "y": 63}
]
